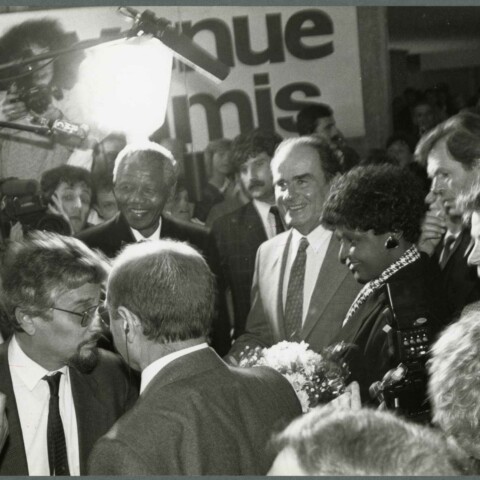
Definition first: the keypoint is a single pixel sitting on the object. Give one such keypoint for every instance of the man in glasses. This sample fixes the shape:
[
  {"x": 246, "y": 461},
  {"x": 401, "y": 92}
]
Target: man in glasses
[
  {"x": 63, "y": 393},
  {"x": 196, "y": 415}
]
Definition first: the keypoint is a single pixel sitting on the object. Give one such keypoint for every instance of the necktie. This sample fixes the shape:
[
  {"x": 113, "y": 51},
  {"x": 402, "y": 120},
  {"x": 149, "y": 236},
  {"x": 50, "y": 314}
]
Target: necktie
[
  {"x": 294, "y": 303},
  {"x": 279, "y": 228},
  {"x": 57, "y": 448},
  {"x": 446, "y": 250}
]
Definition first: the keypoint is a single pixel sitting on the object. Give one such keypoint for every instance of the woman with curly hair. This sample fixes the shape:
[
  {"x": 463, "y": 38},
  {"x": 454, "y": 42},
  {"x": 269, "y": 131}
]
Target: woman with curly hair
[{"x": 376, "y": 212}]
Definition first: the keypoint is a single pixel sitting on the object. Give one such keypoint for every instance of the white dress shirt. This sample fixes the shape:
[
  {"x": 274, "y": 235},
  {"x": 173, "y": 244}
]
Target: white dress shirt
[
  {"x": 151, "y": 371},
  {"x": 154, "y": 236},
  {"x": 318, "y": 240},
  {"x": 32, "y": 396},
  {"x": 268, "y": 219}
]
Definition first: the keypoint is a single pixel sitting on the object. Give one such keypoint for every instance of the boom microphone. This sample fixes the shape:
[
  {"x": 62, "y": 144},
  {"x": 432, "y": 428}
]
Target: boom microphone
[{"x": 61, "y": 127}]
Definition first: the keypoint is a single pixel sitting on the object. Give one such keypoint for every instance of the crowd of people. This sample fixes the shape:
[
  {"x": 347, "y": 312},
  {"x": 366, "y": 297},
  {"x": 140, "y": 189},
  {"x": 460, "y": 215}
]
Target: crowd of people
[{"x": 124, "y": 323}]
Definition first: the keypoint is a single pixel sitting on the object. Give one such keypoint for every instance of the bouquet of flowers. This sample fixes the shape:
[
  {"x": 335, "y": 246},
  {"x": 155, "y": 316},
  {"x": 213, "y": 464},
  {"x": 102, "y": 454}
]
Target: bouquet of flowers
[{"x": 316, "y": 378}]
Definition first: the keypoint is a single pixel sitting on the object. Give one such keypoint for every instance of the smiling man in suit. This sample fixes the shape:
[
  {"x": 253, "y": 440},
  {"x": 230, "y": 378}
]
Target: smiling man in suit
[
  {"x": 300, "y": 291},
  {"x": 62, "y": 392},
  {"x": 196, "y": 415},
  {"x": 144, "y": 178},
  {"x": 239, "y": 234}
]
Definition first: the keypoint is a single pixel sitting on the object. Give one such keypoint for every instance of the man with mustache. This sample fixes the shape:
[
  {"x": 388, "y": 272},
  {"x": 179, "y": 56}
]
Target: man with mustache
[
  {"x": 63, "y": 393},
  {"x": 239, "y": 234},
  {"x": 451, "y": 153}
]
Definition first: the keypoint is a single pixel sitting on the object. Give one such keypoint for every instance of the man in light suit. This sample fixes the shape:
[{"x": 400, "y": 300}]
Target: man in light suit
[
  {"x": 51, "y": 289},
  {"x": 311, "y": 304},
  {"x": 196, "y": 415},
  {"x": 144, "y": 179}
]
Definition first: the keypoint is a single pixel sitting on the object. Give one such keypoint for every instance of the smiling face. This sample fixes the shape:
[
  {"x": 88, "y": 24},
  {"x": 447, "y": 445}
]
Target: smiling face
[
  {"x": 142, "y": 191},
  {"x": 75, "y": 200},
  {"x": 256, "y": 177},
  {"x": 300, "y": 186},
  {"x": 364, "y": 253},
  {"x": 449, "y": 178}
]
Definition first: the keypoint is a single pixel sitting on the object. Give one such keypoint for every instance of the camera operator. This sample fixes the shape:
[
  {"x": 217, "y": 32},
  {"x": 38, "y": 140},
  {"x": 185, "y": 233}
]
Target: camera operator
[
  {"x": 376, "y": 212},
  {"x": 37, "y": 90}
]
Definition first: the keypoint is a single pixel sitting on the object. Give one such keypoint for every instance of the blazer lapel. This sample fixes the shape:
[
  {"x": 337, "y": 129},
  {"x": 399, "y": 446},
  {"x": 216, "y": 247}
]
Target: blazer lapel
[
  {"x": 280, "y": 266},
  {"x": 332, "y": 273},
  {"x": 13, "y": 460},
  {"x": 254, "y": 226},
  {"x": 87, "y": 411}
]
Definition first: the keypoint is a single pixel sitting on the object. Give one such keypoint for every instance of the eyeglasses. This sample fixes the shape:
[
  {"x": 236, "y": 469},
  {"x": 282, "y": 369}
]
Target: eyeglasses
[
  {"x": 86, "y": 316},
  {"x": 102, "y": 312}
]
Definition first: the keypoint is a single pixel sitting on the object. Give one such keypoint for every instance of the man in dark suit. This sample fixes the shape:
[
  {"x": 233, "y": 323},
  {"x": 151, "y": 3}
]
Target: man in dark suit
[
  {"x": 450, "y": 152},
  {"x": 239, "y": 234},
  {"x": 144, "y": 180},
  {"x": 196, "y": 415},
  {"x": 305, "y": 299},
  {"x": 51, "y": 289}
]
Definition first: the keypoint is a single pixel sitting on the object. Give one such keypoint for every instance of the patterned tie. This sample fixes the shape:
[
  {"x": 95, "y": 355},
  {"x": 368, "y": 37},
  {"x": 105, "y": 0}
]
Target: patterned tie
[
  {"x": 448, "y": 244},
  {"x": 57, "y": 448},
  {"x": 279, "y": 228},
  {"x": 294, "y": 304}
]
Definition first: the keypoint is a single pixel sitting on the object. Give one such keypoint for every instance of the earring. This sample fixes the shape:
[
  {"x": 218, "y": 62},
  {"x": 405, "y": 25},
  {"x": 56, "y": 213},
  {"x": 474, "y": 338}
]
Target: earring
[{"x": 391, "y": 243}]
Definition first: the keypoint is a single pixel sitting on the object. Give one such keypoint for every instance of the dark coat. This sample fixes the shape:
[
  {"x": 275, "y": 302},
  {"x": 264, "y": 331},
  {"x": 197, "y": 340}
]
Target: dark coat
[
  {"x": 238, "y": 236},
  {"x": 460, "y": 280},
  {"x": 199, "y": 416},
  {"x": 100, "y": 398},
  {"x": 369, "y": 355}
]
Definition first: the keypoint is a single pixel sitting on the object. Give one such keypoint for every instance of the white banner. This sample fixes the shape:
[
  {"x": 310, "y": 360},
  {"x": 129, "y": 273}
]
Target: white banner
[{"x": 281, "y": 58}]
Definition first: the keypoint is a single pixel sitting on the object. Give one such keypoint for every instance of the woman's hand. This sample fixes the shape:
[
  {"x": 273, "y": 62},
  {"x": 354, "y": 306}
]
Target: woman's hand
[{"x": 350, "y": 399}]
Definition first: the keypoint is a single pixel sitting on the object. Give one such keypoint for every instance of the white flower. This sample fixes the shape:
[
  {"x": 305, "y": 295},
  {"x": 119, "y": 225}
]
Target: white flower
[{"x": 304, "y": 401}]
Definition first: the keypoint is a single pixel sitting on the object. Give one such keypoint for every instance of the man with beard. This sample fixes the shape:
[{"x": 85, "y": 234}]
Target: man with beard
[
  {"x": 239, "y": 234},
  {"x": 62, "y": 392}
]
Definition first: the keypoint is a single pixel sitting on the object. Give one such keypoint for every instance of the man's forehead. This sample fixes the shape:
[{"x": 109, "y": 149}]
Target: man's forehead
[{"x": 81, "y": 185}]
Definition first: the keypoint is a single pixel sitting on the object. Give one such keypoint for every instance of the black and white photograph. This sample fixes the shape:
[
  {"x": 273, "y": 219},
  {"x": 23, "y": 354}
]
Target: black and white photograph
[{"x": 239, "y": 240}]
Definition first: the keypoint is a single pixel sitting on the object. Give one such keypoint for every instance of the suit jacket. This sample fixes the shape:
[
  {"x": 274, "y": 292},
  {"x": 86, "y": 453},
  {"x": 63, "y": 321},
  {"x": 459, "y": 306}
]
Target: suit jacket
[
  {"x": 334, "y": 292},
  {"x": 110, "y": 237},
  {"x": 460, "y": 280},
  {"x": 211, "y": 195},
  {"x": 370, "y": 353},
  {"x": 238, "y": 236},
  {"x": 100, "y": 398},
  {"x": 199, "y": 416}
]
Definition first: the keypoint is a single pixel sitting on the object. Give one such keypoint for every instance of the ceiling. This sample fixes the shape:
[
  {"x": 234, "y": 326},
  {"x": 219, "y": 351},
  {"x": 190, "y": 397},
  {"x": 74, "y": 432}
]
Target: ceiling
[{"x": 426, "y": 29}]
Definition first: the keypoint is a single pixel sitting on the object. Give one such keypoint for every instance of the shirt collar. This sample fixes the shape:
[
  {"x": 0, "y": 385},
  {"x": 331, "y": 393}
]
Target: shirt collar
[
  {"x": 315, "y": 238},
  {"x": 29, "y": 371},
  {"x": 154, "y": 236},
  {"x": 262, "y": 207},
  {"x": 151, "y": 370}
]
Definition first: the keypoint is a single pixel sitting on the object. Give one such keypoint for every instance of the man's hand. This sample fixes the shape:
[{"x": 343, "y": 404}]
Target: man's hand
[
  {"x": 12, "y": 107},
  {"x": 3, "y": 420},
  {"x": 56, "y": 208},
  {"x": 432, "y": 230},
  {"x": 16, "y": 232},
  {"x": 350, "y": 399}
]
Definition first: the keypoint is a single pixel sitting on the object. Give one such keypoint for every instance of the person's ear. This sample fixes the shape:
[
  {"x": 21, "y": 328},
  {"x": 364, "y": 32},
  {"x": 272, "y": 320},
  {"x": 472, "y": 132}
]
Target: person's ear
[
  {"x": 130, "y": 321},
  {"x": 25, "y": 320}
]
